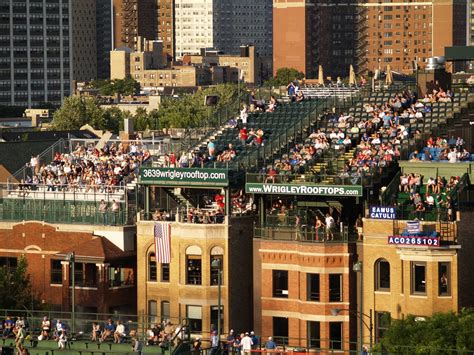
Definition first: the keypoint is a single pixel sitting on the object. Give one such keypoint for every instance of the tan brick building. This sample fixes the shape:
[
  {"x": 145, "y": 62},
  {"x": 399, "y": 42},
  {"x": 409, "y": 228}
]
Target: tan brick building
[
  {"x": 188, "y": 287},
  {"x": 245, "y": 67},
  {"x": 296, "y": 285},
  {"x": 421, "y": 280}
]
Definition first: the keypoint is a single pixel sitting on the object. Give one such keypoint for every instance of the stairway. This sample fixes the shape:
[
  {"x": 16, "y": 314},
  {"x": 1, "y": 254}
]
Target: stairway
[
  {"x": 103, "y": 140},
  {"x": 181, "y": 199}
]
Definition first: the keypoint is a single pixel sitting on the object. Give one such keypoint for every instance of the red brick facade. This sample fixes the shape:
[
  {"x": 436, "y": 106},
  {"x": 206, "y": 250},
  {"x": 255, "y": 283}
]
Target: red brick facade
[
  {"x": 301, "y": 259},
  {"x": 40, "y": 243}
]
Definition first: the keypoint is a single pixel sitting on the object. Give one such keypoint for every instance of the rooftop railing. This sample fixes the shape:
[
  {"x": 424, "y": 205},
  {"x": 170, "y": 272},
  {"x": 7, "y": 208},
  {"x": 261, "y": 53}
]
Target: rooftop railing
[{"x": 23, "y": 202}]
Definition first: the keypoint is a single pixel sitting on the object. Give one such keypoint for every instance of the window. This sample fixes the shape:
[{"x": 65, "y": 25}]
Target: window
[
  {"x": 335, "y": 284},
  {"x": 56, "y": 272},
  {"x": 194, "y": 314},
  {"x": 165, "y": 272},
  {"x": 382, "y": 322},
  {"x": 314, "y": 334},
  {"x": 152, "y": 267},
  {"x": 280, "y": 329},
  {"x": 444, "y": 277},
  {"x": 216, "y": 254},
  {"x": 215, "y": 317},
  {"x": 382, "y": 275},
  {"x": 78, "y": 274},
  {"x": 9, "y": 263},
  {"x": 402, "y": 277},
  {"x": 193, "y": 270},
  {"x": 165, "y": 310},
  {"x": 152, "y": 309},
  {"x": 335, "y": 335},
  {"x": 313, "y": 287},
  {"x": 418, "y": 277},
  {"x": 193, "y": 265},
  {"x": 280, "y": 283}
]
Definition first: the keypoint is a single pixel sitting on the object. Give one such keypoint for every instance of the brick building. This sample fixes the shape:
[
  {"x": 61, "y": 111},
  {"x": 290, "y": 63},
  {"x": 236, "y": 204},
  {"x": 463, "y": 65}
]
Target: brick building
[
  {"x": 297, "y": 285},
  {"x": 368, "y": 34},
  {"x": 188, "y": 287},
  {"x": 104, "y": 272}
]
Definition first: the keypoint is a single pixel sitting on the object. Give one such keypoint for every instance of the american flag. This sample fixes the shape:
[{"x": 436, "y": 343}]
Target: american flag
[
  {"x": 413, "y": 227},
  {"x": 163, "y": 242}
]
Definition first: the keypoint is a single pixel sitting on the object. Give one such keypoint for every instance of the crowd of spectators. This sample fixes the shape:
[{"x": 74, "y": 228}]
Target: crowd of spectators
[
  {"x": 441, "y": 149},
  {"x": 433, "y": 197},
  {"x": 87, "y": 168}
]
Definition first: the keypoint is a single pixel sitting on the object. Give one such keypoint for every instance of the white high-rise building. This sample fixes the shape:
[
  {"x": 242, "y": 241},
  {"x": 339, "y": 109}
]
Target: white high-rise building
[{"x": 224, "y": 25}]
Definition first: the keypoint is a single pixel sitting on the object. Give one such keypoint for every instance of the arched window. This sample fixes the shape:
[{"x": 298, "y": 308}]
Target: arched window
[
  {"x": 152, "y": 267},
  {"x": 382, "y": 275},
  {"x": 193, "y": 265},
  {"x": 217, "y": 263}
]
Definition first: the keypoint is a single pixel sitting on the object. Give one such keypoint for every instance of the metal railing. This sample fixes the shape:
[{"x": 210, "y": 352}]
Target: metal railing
[
  {"x": 21, "y": 203},
  {"x": 45, "y": 157},
  {"x": 288, "y": 178},
  {"x": 307, "y": 234}
]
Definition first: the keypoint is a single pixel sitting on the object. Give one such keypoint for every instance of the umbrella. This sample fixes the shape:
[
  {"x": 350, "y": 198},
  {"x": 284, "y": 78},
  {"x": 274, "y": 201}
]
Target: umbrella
[
  {"x": 389, "y": 76},
  {"x": 321, "y": 76},
  {"x": 352, "y": 76}
]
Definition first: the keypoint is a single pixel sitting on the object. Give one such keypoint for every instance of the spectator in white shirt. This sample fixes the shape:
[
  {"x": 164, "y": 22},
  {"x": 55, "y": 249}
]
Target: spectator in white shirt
[
  {"x": 119, "y": 332},
  {"x": 246, "y": 344},
  {"x": 453, "y": 156}
]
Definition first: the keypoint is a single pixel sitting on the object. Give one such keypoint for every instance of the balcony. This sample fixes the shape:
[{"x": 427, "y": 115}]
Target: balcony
[
  {"x": 304, "y": 234},
  {"x": 26, "y": 202}
]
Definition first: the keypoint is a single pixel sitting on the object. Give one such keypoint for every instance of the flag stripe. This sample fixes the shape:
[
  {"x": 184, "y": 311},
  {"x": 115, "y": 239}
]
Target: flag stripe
[{"x": 162, "y": 242}]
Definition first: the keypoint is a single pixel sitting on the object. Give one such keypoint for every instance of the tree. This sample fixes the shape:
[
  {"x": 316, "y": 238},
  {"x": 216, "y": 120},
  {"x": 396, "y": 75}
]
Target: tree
[
  {"x": 443, "y": 333},
  {"x": 77, "y": 111},
  {"x": 15, "y": 287},
  {"x": 71, "y": 115},
  {"x": 284, "y": 76},
  {"x": 127, "y": 86}
]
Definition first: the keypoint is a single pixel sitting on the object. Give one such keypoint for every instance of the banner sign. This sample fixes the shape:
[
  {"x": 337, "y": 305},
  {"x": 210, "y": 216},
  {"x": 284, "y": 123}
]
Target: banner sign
[
  {"x": 378, "y": 212},
  {"x": 307, "y": 190},
  {"x": 184, "y": 176},
  {"x": 414, "y": 241}
]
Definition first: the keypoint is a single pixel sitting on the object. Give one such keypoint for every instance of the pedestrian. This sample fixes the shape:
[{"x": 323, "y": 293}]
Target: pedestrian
[
  {"x": 214, "y": 343},
  {"x": 246, "y": 344}
]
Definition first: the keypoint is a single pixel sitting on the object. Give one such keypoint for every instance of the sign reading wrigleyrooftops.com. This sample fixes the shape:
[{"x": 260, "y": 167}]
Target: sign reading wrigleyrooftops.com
[
  {"x": 184, "y": 176},
  {"x": 313, "y": 190}
]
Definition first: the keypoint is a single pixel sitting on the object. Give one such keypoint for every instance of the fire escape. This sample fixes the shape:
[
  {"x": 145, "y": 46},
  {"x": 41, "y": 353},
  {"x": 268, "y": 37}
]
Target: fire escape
[
  {"x": 361, "y": 39},
  {"x": 130, "y": 22}
]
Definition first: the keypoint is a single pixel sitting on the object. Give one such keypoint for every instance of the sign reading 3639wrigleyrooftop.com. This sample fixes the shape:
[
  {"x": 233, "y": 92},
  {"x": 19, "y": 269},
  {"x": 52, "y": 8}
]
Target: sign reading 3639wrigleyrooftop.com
[
  {"x": 184, "y": 176},
  {"x": 314, "y": 190}
]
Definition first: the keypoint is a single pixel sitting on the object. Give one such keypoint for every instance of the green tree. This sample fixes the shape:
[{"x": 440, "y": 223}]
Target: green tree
[
  {"x": 127, "y": 86},
  {"x": 284, "y": 76},
  {"x": 443, "y": 333},
  {"x": 71, "y": 115},
  {"x": 15, "y": 287},
  {"x": 77, "y": 111}
]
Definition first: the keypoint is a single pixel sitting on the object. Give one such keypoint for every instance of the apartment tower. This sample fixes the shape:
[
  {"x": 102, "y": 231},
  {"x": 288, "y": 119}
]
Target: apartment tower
[{"x": 35, "y": 51}]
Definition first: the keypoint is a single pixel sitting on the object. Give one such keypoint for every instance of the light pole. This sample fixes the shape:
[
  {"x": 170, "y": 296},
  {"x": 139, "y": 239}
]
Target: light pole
[
  {"x": 216, "y": 263},
  {"x": 71, "y": 258},
  {"x": 370, "y": 326}
]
